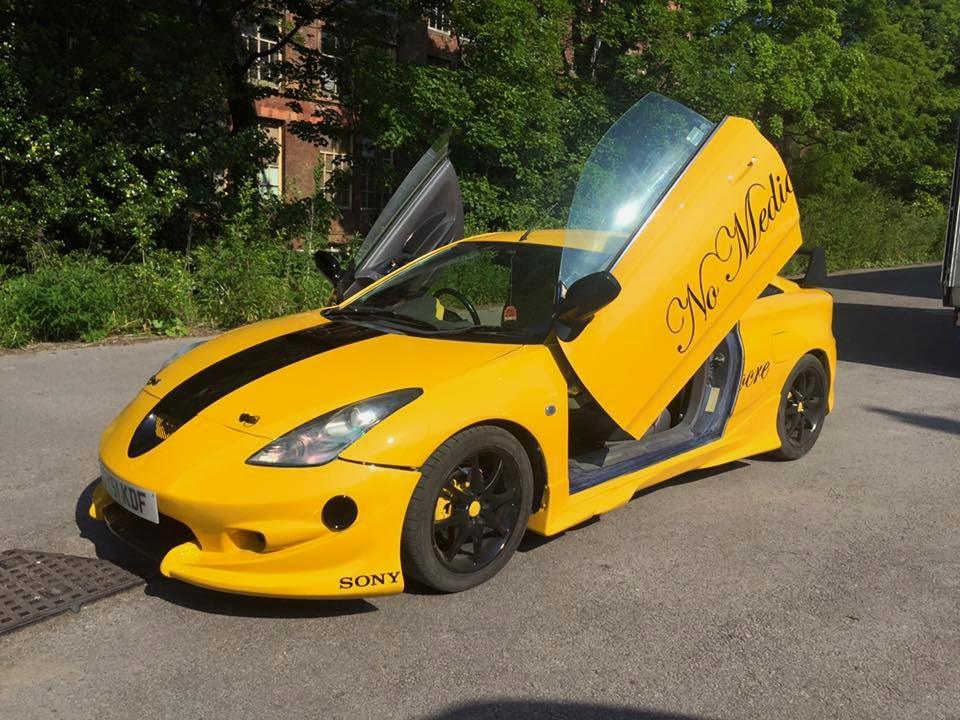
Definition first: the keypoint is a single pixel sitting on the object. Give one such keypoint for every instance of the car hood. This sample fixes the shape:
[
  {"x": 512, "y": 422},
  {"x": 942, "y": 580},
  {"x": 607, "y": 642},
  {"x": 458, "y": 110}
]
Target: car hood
[{"x": 269, "y": 378}]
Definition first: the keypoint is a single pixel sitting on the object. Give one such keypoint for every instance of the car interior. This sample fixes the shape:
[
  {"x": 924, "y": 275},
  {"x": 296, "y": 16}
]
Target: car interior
[{"x": 600, "y": 450}]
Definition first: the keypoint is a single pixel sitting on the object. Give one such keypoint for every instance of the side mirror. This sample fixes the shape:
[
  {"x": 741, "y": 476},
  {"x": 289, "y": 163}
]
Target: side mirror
[
  {"x": 584, "y": 298},
  {"x": 328, "y": 264},
  {"x": 816, "y": 274}
]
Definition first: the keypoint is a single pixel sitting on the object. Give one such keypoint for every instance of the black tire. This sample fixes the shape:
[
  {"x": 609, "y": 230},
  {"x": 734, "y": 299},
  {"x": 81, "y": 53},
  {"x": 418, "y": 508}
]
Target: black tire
[
  {"x": 459, "y": 531},
  {"x": 803, "y": 407}
]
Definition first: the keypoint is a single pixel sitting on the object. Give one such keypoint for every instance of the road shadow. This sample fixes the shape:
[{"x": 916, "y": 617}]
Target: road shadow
[
  {"x": 948, "y": 425},
  {"x": 689, "y": 477},
  {"x": 552, "y": 710},
  {"x": 531, "y": 540},
  {"x": 896, "y": 334},
  {"x": 113, "y": 550},
  {"x": 105, "y": 545},
  {"x": 917, "y": 339},
  {"x": 920, "y": 281}
]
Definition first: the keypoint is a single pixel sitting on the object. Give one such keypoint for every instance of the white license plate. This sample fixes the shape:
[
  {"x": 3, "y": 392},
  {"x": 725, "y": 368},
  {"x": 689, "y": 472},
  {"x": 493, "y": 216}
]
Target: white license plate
[{"x": 135, "y": 499}]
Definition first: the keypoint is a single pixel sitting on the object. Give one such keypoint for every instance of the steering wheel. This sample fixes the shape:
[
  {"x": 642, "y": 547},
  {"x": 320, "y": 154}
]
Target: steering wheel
[{"x": 471, "y": 308}]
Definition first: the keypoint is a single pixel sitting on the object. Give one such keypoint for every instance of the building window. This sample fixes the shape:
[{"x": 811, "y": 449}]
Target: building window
[
  {"x": 335, "y": 174},
  {"x": 331, "y": 48},
  {"x": 438, "y": 19},
  {"x": 376, "y": 170},
  {"x": 271, "y": 174},
  {"x": 265, "y": 70}
]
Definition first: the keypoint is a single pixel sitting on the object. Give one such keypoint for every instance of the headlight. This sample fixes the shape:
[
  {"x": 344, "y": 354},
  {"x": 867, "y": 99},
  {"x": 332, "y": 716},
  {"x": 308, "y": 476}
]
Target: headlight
[
  {"x": 323, "y": 439},
  {"x": 180, "y": 353}
]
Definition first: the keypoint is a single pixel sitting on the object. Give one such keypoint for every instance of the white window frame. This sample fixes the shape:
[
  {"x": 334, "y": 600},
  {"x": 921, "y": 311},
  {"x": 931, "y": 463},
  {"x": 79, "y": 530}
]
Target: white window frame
[
  {"x": 263, "y": 181},
  {"x": 438, "y": 20},
  {"x": 328, "y": 158},
  {"x": 260, "y": 72},
  {"x": 330, "y": 85}
]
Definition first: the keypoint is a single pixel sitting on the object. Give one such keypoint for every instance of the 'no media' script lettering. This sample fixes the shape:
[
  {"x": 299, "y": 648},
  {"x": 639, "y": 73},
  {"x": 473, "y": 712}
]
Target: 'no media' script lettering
[{"x": 733, "y": 245}]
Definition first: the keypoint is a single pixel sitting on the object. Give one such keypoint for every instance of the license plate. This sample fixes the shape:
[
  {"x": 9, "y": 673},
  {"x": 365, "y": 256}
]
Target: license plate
[{"x": 140, "y": 502}]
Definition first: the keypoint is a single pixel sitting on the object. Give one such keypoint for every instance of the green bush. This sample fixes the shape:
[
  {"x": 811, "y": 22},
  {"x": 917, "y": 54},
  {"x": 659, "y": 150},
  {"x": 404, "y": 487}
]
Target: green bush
[
  {"x": 862, "y": 227},
  {"x": 237, "y": 283},
  {"x": 156, "y": 295},
  {"x": 227, "y": 284},
  {"x": 250, "y": 273},
  {"x": 11, "y": 335},
  {"x": 65, "y": 299}
]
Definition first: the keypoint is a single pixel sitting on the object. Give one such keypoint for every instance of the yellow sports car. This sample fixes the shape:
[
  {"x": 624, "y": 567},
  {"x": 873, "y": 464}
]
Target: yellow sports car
[{"x": 468, "y": 390}]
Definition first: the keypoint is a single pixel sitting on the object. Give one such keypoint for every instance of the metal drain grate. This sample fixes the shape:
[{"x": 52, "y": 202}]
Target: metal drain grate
[{"x": 35, "y": 585}]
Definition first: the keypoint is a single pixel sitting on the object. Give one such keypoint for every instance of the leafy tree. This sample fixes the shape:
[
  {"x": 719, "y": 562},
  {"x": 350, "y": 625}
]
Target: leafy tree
[
  {"x": 127, "y": 124},
  {"x": 130, "y": 124}
]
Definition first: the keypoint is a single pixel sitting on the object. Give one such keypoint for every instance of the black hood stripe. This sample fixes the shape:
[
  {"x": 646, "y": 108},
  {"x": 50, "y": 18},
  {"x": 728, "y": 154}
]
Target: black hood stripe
[{"x": 196, "y": 393}]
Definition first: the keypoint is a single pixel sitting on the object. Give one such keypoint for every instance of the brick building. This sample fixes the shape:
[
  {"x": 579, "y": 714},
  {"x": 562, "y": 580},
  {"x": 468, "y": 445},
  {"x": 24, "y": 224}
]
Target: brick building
[{"x": 300, "y": 165}]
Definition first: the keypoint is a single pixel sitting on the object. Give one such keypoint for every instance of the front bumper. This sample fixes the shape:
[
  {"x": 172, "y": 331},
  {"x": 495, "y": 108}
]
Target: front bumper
[{"x": 280, "y": 548}]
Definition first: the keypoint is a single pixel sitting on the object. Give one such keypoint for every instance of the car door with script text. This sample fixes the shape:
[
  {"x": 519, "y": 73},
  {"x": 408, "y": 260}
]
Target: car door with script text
[{"x": 693, "y": 219}]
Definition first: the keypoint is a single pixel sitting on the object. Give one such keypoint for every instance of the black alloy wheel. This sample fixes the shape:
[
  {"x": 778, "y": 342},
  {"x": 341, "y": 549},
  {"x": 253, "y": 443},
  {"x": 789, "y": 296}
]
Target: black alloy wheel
[
  {"x": 469, "y": 511},
  {"x": 476, "y": 510},
  {"x": 803, "y": 407}
]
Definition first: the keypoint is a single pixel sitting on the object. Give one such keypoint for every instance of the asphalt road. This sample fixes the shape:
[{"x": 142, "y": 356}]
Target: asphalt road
[{"x": 828, "y": 587}]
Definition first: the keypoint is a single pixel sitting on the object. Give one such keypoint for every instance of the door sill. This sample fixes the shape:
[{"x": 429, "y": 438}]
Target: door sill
[
  {"x": 718, "y": 388},
  {"x": 598, "y": 466}
]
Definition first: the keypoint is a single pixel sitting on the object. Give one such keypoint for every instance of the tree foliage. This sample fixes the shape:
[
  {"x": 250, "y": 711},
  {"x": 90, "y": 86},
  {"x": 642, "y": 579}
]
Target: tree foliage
[
  {"x": 125, "y": 124},
  {"x": 850, "y": 91},
  {"x": 128, "y": 125}
]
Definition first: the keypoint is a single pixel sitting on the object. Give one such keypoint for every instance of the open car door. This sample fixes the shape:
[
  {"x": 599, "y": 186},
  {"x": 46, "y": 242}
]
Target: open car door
[
  {"x": 693, "y": 220},
  {"x": 950, "y": 277},
  {"x": 425, "y": 212}
]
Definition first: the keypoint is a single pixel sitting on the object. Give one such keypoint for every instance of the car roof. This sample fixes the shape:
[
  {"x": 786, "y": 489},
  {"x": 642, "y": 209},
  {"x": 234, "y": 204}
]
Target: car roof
[
  {"x": 536, "y": 237},
  {"x": 553, "y": 237}
]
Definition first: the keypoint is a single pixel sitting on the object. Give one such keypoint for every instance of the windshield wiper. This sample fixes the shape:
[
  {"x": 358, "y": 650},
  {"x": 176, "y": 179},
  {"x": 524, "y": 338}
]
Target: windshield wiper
[
  {"x": 353, "y": 312},
  {"x": 480, "y": 330}
]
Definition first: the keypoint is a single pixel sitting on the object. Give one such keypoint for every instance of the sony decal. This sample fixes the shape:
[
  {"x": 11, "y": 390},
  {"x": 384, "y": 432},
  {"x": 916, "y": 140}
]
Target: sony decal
[
  {"x": 362, "y": 581},
  {"x": 733, "y": 245}
]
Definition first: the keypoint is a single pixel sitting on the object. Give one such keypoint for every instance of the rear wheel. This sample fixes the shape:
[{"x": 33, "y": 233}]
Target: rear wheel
[
  {"x": 469, "y": 511},
  {"x": 803, "y": 407}
]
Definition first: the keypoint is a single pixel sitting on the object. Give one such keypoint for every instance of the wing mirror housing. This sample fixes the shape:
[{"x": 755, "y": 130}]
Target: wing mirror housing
[
  {"x": 816, "y": 274},
  {"x": 329, "y": 266},
  {"x": 584, "y": 298}
]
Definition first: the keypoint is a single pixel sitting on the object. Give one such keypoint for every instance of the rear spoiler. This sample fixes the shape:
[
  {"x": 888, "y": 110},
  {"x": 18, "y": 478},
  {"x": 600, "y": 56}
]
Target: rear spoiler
[{"x": 816, "y": 274}]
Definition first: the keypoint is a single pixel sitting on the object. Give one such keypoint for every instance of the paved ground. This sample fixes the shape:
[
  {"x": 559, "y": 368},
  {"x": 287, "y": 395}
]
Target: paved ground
[{"x": 828, "y": 587}]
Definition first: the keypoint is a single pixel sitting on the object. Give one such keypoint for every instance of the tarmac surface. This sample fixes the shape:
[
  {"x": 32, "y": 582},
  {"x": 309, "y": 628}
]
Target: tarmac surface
[{"x": 828, "y": 587}]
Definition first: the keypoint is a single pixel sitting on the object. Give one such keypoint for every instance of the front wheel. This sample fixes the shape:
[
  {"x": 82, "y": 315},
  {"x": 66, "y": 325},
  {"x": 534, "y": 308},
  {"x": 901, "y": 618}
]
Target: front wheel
[
  {"x": 803, "y": 407},
  {"x": 469, "y": 511}
]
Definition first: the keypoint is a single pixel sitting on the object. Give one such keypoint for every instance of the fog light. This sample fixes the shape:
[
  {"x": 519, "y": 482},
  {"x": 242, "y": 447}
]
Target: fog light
[
  {"x": 339, "y": 513},
  {"x": 248, "y": 540}
]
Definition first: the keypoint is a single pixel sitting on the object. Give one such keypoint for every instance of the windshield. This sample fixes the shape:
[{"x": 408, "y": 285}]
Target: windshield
[
  {"x": 485, "y": 291},
  {"x": 629, "y": 171}
]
